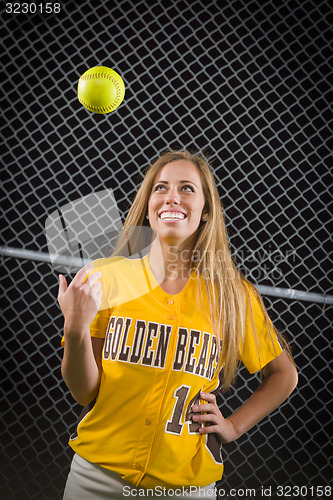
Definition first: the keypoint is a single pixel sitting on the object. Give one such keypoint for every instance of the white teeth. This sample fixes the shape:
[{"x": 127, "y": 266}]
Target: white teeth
[{"x": 172, "y": 215}]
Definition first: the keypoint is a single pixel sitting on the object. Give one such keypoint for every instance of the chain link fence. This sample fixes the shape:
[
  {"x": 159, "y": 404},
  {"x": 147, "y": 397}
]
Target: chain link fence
[{"x": 248, "y": 83}]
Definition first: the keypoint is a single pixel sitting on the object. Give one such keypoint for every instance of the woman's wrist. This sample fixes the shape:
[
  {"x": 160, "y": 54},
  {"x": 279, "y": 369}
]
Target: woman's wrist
[{"x": 75, "y": 333}]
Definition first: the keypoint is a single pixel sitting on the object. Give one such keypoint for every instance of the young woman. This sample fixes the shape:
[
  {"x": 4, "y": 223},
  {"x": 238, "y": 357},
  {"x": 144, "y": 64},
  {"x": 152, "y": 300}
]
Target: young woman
[{"x": 150, "y": 341}]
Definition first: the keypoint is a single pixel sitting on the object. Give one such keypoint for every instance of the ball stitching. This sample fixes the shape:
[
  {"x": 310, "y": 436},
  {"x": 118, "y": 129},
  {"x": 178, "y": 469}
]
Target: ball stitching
[{"x": 115, "y": 83}]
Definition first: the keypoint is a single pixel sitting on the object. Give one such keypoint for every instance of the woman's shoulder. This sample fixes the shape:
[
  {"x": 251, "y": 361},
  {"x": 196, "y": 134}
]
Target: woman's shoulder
[
  {"x": 118, "y": 265},
  {"x": 116, "y": 261},
  {"x": 250, "y": 290}
]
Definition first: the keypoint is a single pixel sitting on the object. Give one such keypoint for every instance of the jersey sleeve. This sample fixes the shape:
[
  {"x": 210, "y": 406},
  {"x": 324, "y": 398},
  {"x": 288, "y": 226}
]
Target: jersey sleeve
[{"x": 260, "y": 345}]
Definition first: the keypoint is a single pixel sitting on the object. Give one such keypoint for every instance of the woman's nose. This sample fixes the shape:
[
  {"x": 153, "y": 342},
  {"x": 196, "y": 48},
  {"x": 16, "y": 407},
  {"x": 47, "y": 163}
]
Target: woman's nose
[{"x": 173, "y": 197}]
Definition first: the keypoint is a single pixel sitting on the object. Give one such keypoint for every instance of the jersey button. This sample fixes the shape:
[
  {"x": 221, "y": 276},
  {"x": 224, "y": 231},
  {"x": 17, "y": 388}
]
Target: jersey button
[
  {"x": 171, "y": 317},
  {"x": 170, "y": 301},
  {"x": 148, "y": 421}
]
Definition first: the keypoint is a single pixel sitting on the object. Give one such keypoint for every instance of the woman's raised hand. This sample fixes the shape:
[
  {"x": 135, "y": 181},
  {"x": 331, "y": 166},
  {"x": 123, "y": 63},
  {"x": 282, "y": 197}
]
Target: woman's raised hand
[{"x": 80, "y": 300}]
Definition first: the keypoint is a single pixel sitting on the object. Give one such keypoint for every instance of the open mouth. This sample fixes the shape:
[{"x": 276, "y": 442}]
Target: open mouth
[{"x": 173, "y": 216}]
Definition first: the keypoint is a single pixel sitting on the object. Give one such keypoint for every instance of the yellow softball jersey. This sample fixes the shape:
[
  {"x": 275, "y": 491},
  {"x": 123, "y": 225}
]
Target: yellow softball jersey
[{"x": 159, "y": 353}]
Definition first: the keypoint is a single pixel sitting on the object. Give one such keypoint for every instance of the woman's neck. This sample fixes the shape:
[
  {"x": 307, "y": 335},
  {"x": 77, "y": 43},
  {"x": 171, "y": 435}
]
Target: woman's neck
[{"x": 170, "y": 262}]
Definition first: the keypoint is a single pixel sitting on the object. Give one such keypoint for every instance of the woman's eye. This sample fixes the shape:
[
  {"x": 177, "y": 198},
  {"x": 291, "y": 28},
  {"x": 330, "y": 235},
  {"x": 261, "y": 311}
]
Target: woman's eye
[
  {"x": 187, "y": 187},
  {"x": 158, "y": 187}
]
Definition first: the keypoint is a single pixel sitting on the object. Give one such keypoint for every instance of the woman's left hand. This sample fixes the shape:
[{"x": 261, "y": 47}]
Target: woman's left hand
[
  {"x": 280, "y": 380},
  {"x": 213, "y": 418}
]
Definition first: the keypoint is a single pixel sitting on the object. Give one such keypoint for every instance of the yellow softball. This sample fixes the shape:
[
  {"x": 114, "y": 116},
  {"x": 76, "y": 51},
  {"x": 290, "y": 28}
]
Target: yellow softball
[{"x": 101, "y": 89}]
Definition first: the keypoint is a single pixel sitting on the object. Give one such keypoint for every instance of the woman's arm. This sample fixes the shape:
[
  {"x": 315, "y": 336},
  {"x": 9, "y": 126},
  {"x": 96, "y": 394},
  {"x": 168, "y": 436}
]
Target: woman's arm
[
  {"x": 81, "y": 365},
  {"x": 280, "y": 380}
]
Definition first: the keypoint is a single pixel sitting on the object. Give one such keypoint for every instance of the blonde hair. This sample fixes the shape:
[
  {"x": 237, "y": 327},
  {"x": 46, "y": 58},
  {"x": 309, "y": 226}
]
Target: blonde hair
[{"x": 227, "y": 288}]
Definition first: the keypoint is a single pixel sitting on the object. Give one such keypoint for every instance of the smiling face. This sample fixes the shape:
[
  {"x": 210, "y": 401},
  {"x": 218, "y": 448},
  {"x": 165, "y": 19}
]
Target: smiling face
[{"x": 175, "y": 206}]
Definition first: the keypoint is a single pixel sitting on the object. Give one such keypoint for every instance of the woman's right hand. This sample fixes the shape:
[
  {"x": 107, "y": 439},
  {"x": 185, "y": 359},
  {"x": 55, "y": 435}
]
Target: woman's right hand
[{"x": 80, "y": 300}]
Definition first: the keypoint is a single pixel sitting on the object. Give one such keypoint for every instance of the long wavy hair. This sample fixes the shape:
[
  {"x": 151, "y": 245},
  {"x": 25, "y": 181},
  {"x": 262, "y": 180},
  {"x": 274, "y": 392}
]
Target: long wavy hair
[{"x": 227, "y": 288}]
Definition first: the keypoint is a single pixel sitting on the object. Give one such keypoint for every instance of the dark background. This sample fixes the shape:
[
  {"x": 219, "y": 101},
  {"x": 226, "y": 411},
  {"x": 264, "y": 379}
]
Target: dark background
[{"x": 249, "y": 84}]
